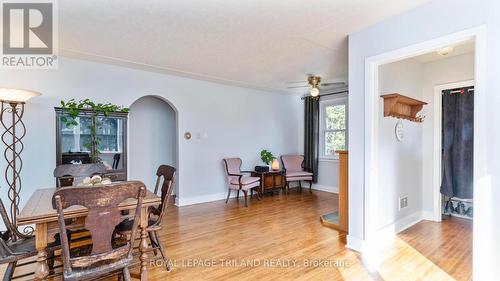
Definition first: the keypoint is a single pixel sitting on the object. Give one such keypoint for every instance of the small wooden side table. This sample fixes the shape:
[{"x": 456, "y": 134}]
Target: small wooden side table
[{"x": 270, "y": 181}]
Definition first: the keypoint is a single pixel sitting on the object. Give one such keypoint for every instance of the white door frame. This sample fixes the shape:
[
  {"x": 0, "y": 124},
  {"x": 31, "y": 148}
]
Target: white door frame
[
  {"x": 478, "y": 34},
  {"x": 436, "y": 151}
]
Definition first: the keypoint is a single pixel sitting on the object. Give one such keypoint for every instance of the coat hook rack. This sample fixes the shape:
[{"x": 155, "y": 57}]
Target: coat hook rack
[{"x": 399, "y": 106}]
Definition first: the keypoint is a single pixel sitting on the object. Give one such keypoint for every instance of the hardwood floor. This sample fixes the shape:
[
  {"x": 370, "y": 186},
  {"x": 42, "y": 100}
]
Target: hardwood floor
[
  {"x": 447, "y": 244},
  {"x": 281, "y": 238}
]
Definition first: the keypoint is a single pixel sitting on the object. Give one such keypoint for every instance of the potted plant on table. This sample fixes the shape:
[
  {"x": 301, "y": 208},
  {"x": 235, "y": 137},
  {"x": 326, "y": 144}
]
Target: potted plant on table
[{"x": 266, "y": 157}]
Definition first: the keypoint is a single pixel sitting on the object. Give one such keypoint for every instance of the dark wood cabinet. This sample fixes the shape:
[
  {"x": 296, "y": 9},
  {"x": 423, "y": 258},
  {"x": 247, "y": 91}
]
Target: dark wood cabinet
[
  {"x": 73, "y": 145},
  {"x": 271, "y": 180}
]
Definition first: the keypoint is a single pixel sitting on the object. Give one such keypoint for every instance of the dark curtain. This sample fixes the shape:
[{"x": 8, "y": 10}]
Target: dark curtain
[
  {"x": 311, "y": 135},
  {"x": 457, "y": 146}
]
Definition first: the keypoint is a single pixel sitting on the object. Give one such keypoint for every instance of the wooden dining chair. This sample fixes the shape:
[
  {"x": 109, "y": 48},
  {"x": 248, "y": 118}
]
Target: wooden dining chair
[
  {"x": 103, "y": 216},
  {"x": 69, "y": 174},
  {"x": 15, "y": 246},
  {"x": 165, "y": 175}
]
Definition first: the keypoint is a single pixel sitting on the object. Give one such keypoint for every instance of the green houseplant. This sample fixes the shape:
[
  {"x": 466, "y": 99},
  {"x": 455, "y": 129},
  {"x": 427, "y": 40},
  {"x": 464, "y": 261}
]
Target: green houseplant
[
  {"x": 71, "y": 110},
  {"x": 266, "y": 156}
]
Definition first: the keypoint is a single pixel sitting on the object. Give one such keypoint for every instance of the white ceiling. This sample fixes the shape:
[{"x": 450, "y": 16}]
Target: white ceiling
[{"x": 256, "y": 43}]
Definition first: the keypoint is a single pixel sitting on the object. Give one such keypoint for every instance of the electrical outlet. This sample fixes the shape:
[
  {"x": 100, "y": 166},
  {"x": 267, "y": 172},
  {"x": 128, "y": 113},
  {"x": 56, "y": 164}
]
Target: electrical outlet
[{"x": 403, "y": 202}]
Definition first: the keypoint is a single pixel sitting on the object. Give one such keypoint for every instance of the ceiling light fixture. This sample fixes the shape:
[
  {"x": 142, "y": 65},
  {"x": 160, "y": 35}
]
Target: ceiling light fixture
[
  {"x": 314, "y": 81},
  {"x": 314, "y": 92},
  {"x": 444, "y": 51}
]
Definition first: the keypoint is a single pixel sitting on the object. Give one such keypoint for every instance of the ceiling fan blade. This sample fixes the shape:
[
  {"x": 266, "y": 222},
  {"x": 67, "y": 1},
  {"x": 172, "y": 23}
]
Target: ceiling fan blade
[
  {"x": 298, "y": 87},
  {"x": 295, "y": 82}
]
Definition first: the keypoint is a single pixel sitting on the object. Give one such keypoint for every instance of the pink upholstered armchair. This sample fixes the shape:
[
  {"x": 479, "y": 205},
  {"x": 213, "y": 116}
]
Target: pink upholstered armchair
[
  {"x": 294, "y": 171},
  {"x": 237, "y": 180}
]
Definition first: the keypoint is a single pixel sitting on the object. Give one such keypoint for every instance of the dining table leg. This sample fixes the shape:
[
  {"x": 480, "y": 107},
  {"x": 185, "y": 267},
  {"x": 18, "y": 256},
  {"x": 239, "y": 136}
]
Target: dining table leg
[
  {"x": 143, "y": 247},
  {"x": 42, "y": 269}
]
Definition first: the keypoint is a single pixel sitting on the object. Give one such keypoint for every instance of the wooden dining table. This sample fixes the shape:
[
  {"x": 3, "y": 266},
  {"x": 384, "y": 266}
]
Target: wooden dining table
[{"x": 38, "y": 211}]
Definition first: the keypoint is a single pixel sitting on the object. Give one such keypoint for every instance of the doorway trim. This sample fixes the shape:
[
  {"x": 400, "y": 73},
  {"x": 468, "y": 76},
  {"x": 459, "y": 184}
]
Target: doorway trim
[
  {"x": 478, "y": 34},
  {"x": 437, "y": 145}
]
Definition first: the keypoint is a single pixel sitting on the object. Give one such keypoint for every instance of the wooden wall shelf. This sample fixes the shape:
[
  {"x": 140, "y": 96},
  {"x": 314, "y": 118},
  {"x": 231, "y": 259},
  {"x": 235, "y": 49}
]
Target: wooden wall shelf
[{"x": 399, "y": 106}]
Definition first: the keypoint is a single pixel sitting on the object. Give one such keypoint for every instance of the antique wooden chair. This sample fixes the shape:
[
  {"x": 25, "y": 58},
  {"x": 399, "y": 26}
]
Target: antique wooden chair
[
  {"x": 166, "y": 176},
  {"x": 15, "y": 245},
  {"x": 103, "y": 216},
  {"x": 294, "y": 171},
  {"x": 69, "y": 174},
  {"x": 237, "y": 180}
]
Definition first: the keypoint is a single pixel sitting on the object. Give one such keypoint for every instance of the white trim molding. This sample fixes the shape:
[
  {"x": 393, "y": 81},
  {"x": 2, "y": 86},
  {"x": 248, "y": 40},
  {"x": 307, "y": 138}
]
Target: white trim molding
[
  {"x": 400, "y": 225},
  {"x": 383, "y": 237},
  {"x": 180, "y": 202},
  {"x": 356, "y": 244},
  {"x": 325, "y": 188},
  {"x": 338, "y": 100}
]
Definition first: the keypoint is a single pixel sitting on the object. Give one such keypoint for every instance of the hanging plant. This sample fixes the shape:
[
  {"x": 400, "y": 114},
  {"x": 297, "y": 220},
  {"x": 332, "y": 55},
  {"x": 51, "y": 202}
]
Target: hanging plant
[{"x": 71, "y": 110}]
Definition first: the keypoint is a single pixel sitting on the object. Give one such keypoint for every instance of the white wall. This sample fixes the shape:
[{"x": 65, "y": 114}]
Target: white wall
[
  {"x": 433, "y": 20},
  {"x": 237, "y": 121},
  {"x": 328, "y": 176},
  {"x": 450, "y": 70},
  {"x": 400, "y": 163},
  {"x": 152, "y": 138}
]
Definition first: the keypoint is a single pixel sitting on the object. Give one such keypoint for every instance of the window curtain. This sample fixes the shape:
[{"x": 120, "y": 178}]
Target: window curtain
[
  {"x": 311, "y": 135},
  {"x": 457, "y": 142}
]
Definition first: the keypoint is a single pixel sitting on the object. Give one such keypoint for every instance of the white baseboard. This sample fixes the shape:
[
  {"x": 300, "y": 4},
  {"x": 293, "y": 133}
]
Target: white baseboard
[
  {"x": 429, "y": 216},
  {"x": 356, "y": 244},
  {"x": 179, "y": 202},
  {"x": 185, "y": 201},
  {"x": 384, "y": 235},
  {"x": 401, "y": 224},
  {"x": 326, "y": 188}
]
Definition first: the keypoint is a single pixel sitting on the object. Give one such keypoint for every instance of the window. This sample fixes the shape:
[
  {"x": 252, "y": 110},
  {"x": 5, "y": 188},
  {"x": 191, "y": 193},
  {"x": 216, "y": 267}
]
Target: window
[{"x": 333, "y": 127}]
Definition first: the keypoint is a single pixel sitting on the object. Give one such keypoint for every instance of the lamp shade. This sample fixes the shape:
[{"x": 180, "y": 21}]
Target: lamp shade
[
  {"x": 275, "y": 165},
  {"x": 17, "y": 95}
]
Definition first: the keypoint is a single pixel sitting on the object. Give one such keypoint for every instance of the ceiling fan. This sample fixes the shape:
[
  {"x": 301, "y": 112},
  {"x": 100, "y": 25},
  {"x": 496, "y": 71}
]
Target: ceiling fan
[{"x": 315, "y": 83}]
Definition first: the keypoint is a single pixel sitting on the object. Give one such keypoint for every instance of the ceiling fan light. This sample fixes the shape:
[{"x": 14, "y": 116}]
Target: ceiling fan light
[{"x": 314, "y": 92}]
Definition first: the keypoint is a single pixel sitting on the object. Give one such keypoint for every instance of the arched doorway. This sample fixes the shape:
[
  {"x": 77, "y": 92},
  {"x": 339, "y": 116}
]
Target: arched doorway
[{"x": 152, "y": 138}]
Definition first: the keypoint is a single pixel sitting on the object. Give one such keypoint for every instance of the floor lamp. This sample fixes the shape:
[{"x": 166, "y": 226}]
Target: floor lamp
[{"x": 11, "y": 114}]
